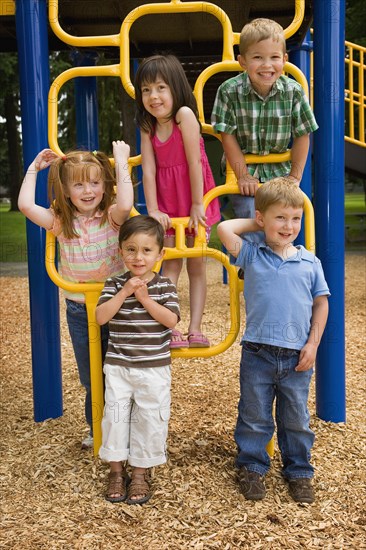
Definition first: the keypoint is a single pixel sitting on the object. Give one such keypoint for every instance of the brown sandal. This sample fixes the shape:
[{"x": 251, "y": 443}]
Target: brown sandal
[
  {"x": 117, "y": 485},
  {"x": 140, "y": 485}
]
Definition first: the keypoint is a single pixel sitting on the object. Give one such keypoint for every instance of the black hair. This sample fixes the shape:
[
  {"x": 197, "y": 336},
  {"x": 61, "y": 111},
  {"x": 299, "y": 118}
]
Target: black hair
[
  {"x": 142, "y": 224},
  {"x": 170, "y": 70}
]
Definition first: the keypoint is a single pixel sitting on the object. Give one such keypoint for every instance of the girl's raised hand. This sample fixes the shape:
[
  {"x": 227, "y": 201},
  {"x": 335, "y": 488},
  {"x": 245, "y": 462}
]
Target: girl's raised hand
[
  {"x": 197, "y": 216},
  {"x": 44, "y": 159},
  {"x": 124, "y": 202},
  {"x": 120, "y": 149},
  {"x": 162, "y": 218}
]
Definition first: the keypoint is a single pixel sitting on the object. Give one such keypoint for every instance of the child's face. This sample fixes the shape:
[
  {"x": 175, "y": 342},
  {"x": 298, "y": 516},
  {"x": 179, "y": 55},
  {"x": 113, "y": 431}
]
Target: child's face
[
  {"x": 140, "y": 253},
  {"x": 281, "y": 225},
  {"x": 86, "y": 191},
  {"x": 157, "y": 99},
  {"x": 264, "y": 62}
]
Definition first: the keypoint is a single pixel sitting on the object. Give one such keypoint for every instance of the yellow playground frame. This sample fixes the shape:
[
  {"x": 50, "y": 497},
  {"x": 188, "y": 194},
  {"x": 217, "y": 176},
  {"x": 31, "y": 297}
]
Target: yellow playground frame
[{"x": 121, "y": 70}]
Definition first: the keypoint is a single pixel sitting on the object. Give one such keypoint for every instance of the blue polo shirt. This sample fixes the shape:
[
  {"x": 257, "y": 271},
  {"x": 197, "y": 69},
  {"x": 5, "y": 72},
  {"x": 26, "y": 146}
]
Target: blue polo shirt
[{"x": 279, "y": 294}]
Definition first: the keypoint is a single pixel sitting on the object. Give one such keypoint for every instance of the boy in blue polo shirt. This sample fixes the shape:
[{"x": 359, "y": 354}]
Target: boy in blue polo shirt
[{"x": 286, "y": 312}]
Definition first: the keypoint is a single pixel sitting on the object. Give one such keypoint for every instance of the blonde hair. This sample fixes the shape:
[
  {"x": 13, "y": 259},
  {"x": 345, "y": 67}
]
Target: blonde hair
[
  {"x": 258, "y": 30},
  {"x": 76, "y": 166},
  {"x": 278, "y": 190}
]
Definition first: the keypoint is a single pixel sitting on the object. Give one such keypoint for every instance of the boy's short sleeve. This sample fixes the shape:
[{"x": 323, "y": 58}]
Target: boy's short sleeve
[
  {"x": 223, "y": 112},
  {"x": 109, "y": 290},
  {"x": 302, "y": 118},
  {"x": 247, "y": 254},
  {"x": 169, "y": 297},
  {"x": 319, "y": 287}
]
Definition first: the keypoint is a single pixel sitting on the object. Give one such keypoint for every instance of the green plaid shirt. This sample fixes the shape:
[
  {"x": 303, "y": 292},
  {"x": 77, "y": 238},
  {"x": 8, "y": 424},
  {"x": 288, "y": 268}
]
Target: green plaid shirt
[{"x": 263, "y": 126}]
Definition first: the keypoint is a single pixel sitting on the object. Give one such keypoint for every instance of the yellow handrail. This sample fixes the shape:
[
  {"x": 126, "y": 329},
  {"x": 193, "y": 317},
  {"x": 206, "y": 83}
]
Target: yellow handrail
[{"x": 355, "y": 93}]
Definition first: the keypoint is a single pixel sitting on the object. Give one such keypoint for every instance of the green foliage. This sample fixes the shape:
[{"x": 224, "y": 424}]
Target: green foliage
[
  {"x": 9, "y": 87},
  {"x": 60, "y": 62},
  {"x": 355, "y": 21}
]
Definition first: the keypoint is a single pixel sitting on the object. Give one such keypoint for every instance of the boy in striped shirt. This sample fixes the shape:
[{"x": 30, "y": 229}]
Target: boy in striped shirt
[{"x": 142, "y": 309}]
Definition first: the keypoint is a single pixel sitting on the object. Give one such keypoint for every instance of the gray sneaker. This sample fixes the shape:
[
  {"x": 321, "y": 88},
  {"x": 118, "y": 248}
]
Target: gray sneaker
[
  {"x": 301, "y": 490},
  {"x": 251, "y": 484}
]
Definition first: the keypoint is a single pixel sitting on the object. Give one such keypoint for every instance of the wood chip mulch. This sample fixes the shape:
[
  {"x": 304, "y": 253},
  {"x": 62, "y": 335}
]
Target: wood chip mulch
[{"x": 52, "y": 494}]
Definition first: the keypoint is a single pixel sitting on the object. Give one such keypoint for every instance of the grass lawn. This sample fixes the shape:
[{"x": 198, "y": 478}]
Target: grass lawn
[
  {"x": 355, "y": 221},
  {"x": 13, "y": 241},
  {"x": 13, "y": 244}
]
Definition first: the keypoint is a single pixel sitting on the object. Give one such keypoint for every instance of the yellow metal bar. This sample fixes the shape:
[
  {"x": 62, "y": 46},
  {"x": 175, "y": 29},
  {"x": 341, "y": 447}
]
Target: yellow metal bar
[
  {"x": 297, "y": 20},
  {"x": 96, "y": 368},
  {"x": 292, "y": 28},
  {"x": 104, "y": 70},
  {"x": 107, "y": 40},
  {"x": 221, "y": 66},
  {"x": 92, "y": 292},
  {"x": 351, "y": 107},
  {"x": 361, "y": 82},
  {"x": 7, "y": 7},
  {"x": 175, "y": 6},
  {"x": 355, "y": 93}
]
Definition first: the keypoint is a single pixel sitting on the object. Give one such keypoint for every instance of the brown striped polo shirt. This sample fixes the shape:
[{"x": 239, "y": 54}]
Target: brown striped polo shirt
[{"x": 135, "y": 338}]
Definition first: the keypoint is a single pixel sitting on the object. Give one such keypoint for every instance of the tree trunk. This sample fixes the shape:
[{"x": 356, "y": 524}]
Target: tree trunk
[{"x": 10, "y": 108}]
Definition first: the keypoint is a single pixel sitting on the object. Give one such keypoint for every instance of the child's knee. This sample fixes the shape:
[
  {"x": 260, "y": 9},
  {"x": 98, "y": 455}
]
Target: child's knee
[{"x": 196, "y": 266}]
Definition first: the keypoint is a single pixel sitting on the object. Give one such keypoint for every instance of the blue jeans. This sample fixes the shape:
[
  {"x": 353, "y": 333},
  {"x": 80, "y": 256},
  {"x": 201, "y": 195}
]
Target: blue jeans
[
  {"x": 77, "y": 321},
  {"x": 243, "y": 207},
  {"x": 268, "y": 372}
]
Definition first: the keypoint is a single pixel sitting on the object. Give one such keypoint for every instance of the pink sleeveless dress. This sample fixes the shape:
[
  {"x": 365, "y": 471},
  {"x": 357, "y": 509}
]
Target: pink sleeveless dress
[{"x": 172, "y": 178}]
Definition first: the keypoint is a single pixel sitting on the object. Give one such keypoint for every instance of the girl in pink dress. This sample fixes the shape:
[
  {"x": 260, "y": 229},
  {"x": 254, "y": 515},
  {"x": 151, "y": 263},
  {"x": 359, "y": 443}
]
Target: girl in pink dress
[{"x": 176, "y": 173}]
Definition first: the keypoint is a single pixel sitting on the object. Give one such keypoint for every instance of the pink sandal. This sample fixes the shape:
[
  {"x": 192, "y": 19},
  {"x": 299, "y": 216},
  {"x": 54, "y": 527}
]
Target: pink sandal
[
  {"x": 180, "y": 341},
  {"x": 198, "y": 340}
]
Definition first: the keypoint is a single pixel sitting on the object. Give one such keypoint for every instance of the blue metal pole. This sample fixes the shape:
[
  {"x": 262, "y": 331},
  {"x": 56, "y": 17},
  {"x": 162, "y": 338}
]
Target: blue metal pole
[
  {"x": 86, "y": 103},
  {"x": 31, "y": 28},
  {"x": 329, "y": 23},
  {"x": 141, "y": 202},
  {"x": 301, "y": 58}
]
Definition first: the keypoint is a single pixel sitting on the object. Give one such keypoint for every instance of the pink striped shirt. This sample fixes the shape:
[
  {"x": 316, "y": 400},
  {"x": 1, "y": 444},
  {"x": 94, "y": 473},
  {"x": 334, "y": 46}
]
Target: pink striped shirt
[{"x": 91, "y": 257}]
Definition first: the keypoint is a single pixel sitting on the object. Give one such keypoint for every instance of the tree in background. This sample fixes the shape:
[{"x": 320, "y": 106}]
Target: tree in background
[
  {"x": 355, "y": 21},
  {"x": 10, "y": 142}
]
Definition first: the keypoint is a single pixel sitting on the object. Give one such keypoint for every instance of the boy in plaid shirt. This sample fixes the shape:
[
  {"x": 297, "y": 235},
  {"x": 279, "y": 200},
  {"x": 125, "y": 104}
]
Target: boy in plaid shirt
[{"x": 259, "y": 111}]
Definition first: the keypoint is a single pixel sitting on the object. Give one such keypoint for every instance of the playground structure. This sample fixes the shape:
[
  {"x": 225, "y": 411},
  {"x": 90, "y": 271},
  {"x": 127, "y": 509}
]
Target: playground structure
[
  {"x": 328, "y": 175},
  {"x": 200, "y": 248}
]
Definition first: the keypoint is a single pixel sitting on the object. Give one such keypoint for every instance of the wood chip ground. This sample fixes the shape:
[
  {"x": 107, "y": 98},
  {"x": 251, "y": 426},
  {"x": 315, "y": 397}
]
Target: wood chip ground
[{"x": 52, "y": 494}]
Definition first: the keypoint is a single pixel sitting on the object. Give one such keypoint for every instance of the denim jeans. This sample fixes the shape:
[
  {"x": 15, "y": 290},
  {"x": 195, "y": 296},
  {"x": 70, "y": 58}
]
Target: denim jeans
[
  {"x": 77, "y": 321},
  {"x": 243, "y": 207},
  {"x": 268, "y": 372}
]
